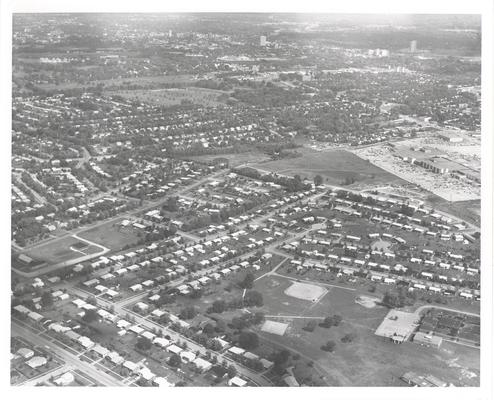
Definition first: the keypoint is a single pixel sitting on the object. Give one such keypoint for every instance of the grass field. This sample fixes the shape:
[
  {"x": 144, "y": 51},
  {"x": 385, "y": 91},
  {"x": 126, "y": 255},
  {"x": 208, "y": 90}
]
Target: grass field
[
  {"x": 467, "y": 210},
  {"x": 111, "y": 235},
  {"x": 368, "y": 360},
  {"x": 144, "y": 80},
  {"x": 62, "y": 250},
  {"x": 234, "y": 159},
  {"x": 171, "y": 97},
  {"x": 333, "y": 165}
]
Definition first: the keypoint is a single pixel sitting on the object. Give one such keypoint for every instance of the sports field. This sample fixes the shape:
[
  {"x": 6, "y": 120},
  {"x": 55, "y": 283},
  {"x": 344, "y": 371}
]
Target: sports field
[
  {"x": 306, "y": 291},
  {"x": 276, "y": 328},
  {"x": 335, "y": 166},
  {"x": 62, "y": 250}
]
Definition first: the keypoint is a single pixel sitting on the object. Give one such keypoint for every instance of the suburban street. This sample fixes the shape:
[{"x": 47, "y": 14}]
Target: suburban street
[
  {"x": 192, "y": 346},
  {"x": 69, "y": 358}
]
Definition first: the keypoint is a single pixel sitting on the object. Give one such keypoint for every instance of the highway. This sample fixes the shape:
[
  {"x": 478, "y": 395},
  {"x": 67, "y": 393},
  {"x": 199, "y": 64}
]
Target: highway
[{"x": 91, "y": 370}]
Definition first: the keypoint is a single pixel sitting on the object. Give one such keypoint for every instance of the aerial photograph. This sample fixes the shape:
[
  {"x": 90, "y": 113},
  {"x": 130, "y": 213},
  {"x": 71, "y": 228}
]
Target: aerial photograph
[{"x": 245, "y": 199}]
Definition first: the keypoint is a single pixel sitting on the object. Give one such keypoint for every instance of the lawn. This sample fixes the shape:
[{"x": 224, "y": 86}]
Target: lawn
[
  {"x": 111, "y": 235},
  {"x": 333, "y": 165}
]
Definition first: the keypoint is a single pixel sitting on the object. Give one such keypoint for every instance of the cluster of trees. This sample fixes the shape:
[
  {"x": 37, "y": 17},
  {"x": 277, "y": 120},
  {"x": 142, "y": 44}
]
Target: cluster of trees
[
  {"x": 248, "y": 281},
  {"x": 143, "y": 343},
  {"x": 280, "y": 360},
  {"x": 28, "y": 228},
  {"x": 188, "y": 312},
  {"x": 247, "y": 320},
  {"x": 348, "y": 338},
  {"x": 311, "y": 325},
  {"x": 160, "y": 233},
  {"x": 90, "y": 316},
  {"x": 248, "y": 340},
  {"x": 174, "y": 361},
  {"x": 252, "y": 298},
  {"x": 397, "y": 300},
  {"x": 213, "y": 84},
  {"x": 329, "y": 346},
  {"x": 331, "y": 321},
  {"x": 294, "y": 184}
]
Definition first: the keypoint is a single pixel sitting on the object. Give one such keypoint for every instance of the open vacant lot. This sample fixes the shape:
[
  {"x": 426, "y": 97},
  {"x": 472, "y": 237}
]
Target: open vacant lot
[
  {"x": 111, "y": 235},
  {"x": 367, "y": 360},
  {"x": 333, "y": 165},
  {"x": 174, "y": 96}
]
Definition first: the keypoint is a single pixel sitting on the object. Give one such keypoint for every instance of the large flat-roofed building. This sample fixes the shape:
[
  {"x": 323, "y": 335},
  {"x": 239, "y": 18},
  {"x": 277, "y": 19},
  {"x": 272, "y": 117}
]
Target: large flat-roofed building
[
  {"x": 414, "y": 379},
  {"x": 398, "y": 326},
  {"x": 425, "y": 339}
]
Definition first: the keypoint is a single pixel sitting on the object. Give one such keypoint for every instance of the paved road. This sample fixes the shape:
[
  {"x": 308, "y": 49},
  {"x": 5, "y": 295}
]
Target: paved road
[
  {"x": 426, "y": 306},
  {"x": 85, "y": 157},
  {"x": 69, "y": 358},
  {"x": 40, "y": 199}
]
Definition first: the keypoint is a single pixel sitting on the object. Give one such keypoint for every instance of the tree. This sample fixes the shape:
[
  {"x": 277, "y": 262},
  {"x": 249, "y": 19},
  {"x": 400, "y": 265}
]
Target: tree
[
  {"x": 311, "y": 325},
  {"x": 174, "y": 361},
  {"x": 143, "y": 343},
  {"x": 219, "y": 306},
  {"x": 220, "y": 326},
  {"x": 90, "y": 316},
  {"x": 393, "y": 300},
  {"x": 281, "y": 357},
  {"x": 208, "y": 330},
  {"x": 318, "y": 180},
  {"x": 232, "y": 371},
  {"x": 188, "y": 313},
  {"x": 248, "y": 281},
  {"x": 337, "y": 319},
  {"x": 329, "y": 346},
  {"x": 327, "y": 323},
  {"x": 248, "y": 340},
  {"x": 47, "y": 299},
  {"x": 348, "y": 338},
  {"x": 253, "y": 298}
]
